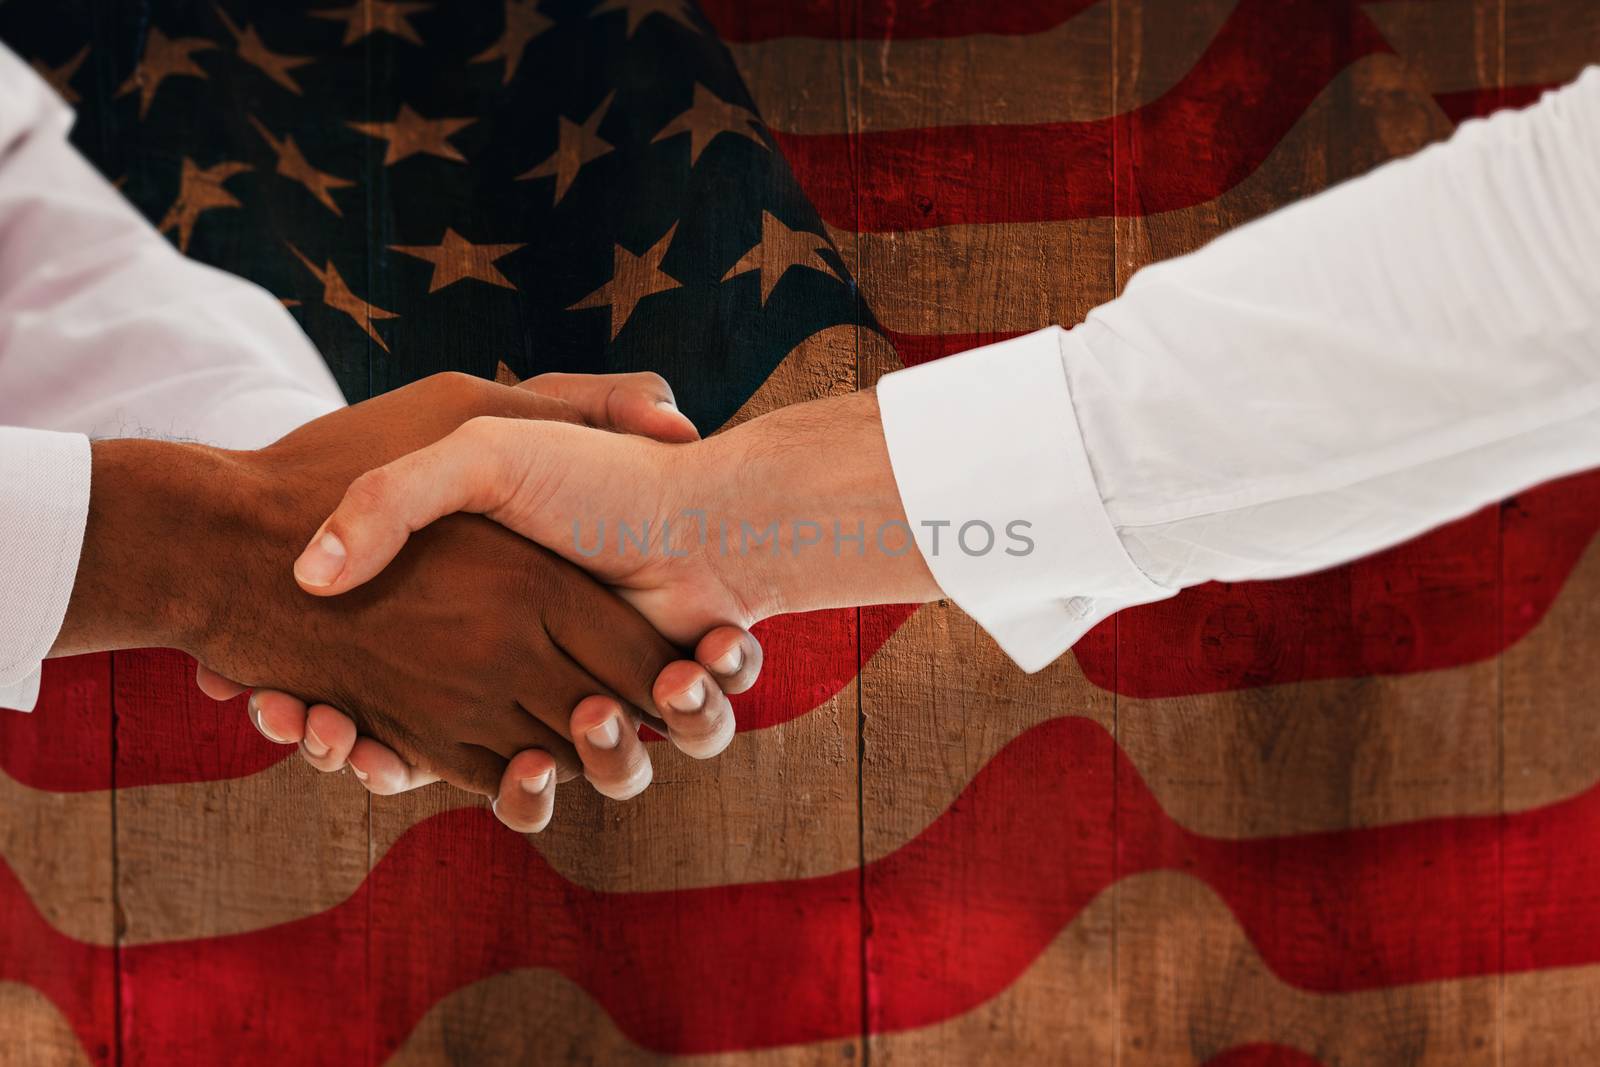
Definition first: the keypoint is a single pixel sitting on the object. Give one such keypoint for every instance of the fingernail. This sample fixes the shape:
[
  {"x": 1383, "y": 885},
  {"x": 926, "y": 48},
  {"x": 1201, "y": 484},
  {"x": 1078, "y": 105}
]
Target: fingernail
[
  {"x": 730, "y": 661},
  {"x": 322, "y": 560},
  {"x": 270, "y": 736},
  {"x": 255, "y": 717},
  {"x": 540, "y": 782},
  {"x": 316, "y": 746},
  {"x": 667, "y": 405},
  {"x": 606, "y": 735},
  {"x": 357, "y": 771},
  {"x": 691, "y": 699}
]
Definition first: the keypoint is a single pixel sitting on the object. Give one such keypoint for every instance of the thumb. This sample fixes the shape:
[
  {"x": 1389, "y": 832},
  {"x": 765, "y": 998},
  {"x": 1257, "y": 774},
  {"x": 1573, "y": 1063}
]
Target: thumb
[
  {"x": 640, "y": 403},
  {"x": 465, "y": 471}
]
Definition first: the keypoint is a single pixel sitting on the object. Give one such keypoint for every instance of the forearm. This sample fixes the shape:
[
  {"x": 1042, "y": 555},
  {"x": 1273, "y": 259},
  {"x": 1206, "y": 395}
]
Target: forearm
[
  {"x": 169, "y": 527},
  {"x": 804, "y": 501}
]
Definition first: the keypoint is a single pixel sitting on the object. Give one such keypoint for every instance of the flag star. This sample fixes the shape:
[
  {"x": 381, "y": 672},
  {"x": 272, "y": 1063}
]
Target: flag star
[
  {"x": 455, "y": 258},
  {"x": 292, "y": 164},
  {"x": 60, "y": 78},
  {"x": 639, "y": 10},
  {"x": 373, "y": 16},
  {"x": 164, "y": 57},
  {"x": 707, "y": 118},
  {"x": 576, "y": 146},
  {"x": 780, "y": 250},
  {"x": 199, "y": 191},
  {"x": 410, "y": 134},
  {"x": 523, "y": 24},
  {"x": 632, "y": 279},
  {"x": 253, "y": 51},
  {"x": 337, "y": 295}
]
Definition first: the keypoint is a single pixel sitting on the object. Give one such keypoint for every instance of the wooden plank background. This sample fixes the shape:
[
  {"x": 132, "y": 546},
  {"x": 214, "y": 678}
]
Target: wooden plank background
[{"x": 1154, "y": 969}]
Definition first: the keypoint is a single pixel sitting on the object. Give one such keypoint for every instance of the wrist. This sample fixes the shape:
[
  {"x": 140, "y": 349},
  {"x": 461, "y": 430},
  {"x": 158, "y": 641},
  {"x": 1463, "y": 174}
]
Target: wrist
[
  {"x": 819, "y": 474},
  {"x": 162, "y": 542},
  {"x": 729, "y": 483}
]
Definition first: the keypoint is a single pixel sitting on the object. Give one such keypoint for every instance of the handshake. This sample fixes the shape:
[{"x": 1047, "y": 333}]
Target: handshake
[{"x": 493, "y": 585}]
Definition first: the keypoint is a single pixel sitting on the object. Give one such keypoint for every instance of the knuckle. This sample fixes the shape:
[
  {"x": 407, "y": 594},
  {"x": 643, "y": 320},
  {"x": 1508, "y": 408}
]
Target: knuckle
[
  {"x": 453, "y": 386},
  {"x": 627, "y": 782},
  {"x": 653, "y": 383},
  {"x": 705, "y": 743},
  {"x": 640, "y": 775},
  {"x": 691, "y": 733},
  {"x": 371, "y": 491},
  {"x": 482, "y": 445}
]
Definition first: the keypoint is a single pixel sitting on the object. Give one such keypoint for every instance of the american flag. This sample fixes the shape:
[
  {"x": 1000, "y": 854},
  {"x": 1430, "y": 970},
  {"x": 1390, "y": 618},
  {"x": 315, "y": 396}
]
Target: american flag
[{"x": 1337, "y": 819}]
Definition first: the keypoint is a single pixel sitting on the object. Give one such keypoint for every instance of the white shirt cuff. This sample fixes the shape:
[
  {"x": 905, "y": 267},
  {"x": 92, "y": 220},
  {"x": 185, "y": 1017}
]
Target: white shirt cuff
[
  {"x": 24, "y": 696},
  {"x": 990, "y": 437},
  {"x": 44, "y": 505}
]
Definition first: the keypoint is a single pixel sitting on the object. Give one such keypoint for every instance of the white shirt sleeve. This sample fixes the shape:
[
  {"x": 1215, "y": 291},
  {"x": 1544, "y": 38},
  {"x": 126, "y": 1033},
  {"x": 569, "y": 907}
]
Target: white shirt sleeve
[
  {"x": 106, "y": 331},
  {"x": 44, "y": 503},
  {"x": 1334, "y": 378}
]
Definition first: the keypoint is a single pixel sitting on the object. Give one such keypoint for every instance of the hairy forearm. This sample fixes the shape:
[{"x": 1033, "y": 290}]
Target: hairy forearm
[{"x": 818, "y": 476}]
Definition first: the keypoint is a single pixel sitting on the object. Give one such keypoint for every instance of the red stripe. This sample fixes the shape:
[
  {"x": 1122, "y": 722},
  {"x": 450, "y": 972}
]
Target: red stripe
[
  {"x": 64, "y": 745},
  {"x": 915, "y": 348},
  {"x": 77, "y": 978},
  {"x": 1057, "y": 817},
  {"x": 1476, "y": 103},
  {"x": 1266, "y": 66},
  {"x": 736, "y": 20},
  {"x": 1459, "y": 594}
]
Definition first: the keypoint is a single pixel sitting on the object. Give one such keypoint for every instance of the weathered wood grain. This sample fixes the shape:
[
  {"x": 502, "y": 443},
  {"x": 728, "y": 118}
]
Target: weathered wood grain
[
  {"x": 1378, "y": 110},
  {"x": 36, "y": 1035},
  {"x": 70, "y": 877},
  {"x": 248, "y": 824},
  {"x": 1156, "y": 970},
  {"x": 938, "y": 698},
  {"x": 1275, "y": 760}
]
